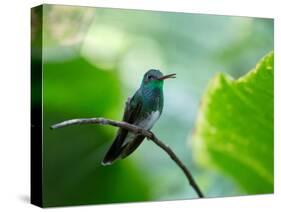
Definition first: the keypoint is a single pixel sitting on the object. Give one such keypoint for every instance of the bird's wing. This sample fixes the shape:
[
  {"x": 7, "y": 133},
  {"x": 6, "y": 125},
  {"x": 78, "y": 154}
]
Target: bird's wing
[{"x": 132, "y": 110}]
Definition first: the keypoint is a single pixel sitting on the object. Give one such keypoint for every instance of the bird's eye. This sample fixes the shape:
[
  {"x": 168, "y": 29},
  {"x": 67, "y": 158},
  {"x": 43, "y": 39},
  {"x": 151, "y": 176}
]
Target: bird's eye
[{"x": 150, "y": 77}]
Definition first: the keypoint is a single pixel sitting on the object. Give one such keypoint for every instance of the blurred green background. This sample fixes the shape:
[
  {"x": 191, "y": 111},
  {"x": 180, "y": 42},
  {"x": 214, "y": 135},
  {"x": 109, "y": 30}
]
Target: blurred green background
[{"x": 95, "y": 58}]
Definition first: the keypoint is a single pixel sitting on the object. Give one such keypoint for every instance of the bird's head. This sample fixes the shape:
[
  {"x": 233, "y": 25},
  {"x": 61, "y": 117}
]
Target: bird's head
[{"x": 155, "y": 78}]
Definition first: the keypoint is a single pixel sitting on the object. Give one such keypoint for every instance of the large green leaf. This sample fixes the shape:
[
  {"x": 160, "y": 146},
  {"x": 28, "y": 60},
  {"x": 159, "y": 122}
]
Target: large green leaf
[{"x": 234, "y": 128}]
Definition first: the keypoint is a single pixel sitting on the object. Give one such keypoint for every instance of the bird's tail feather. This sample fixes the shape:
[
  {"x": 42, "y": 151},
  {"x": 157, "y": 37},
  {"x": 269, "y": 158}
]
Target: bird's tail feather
[
  {"x": 131, "y": 147},
  {"x": 117, "y": 150},
  {"x": 113, "y": 153}
]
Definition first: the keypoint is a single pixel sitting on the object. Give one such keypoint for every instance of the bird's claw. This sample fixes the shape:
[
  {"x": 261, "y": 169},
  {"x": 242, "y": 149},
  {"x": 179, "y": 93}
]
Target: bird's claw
[{"x": 152, "y": 137}]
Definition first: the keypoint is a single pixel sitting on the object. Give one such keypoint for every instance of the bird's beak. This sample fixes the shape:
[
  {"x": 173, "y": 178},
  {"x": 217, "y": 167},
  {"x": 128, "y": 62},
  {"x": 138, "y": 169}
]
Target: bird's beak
[{"x": 169, "y": 76}]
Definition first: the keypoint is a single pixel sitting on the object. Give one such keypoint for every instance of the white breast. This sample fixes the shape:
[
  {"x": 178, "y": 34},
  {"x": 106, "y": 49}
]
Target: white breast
[
  {"x": 146, "y": 124},
  {"x": 150, "y": 120}
]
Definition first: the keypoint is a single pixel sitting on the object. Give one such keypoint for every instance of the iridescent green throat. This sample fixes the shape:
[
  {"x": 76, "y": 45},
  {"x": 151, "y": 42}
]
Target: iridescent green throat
[{"x": 152, "y": 95}]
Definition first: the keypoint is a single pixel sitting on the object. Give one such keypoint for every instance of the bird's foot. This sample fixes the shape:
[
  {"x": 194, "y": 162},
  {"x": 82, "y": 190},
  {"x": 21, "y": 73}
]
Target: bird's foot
[{"x": 152, "y": 136}]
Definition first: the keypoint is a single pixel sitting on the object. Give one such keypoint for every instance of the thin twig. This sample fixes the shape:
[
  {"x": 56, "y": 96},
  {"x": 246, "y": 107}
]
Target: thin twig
[{"x": 137, "y": 130}]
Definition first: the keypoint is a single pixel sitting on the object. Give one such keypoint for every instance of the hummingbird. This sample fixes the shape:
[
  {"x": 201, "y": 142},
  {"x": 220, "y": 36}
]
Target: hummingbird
[{"x": 143, "y": 110}]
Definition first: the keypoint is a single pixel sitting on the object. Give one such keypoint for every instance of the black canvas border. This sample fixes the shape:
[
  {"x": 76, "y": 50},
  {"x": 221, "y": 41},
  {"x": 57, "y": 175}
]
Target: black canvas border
[{"x": 36, "y": 162}]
